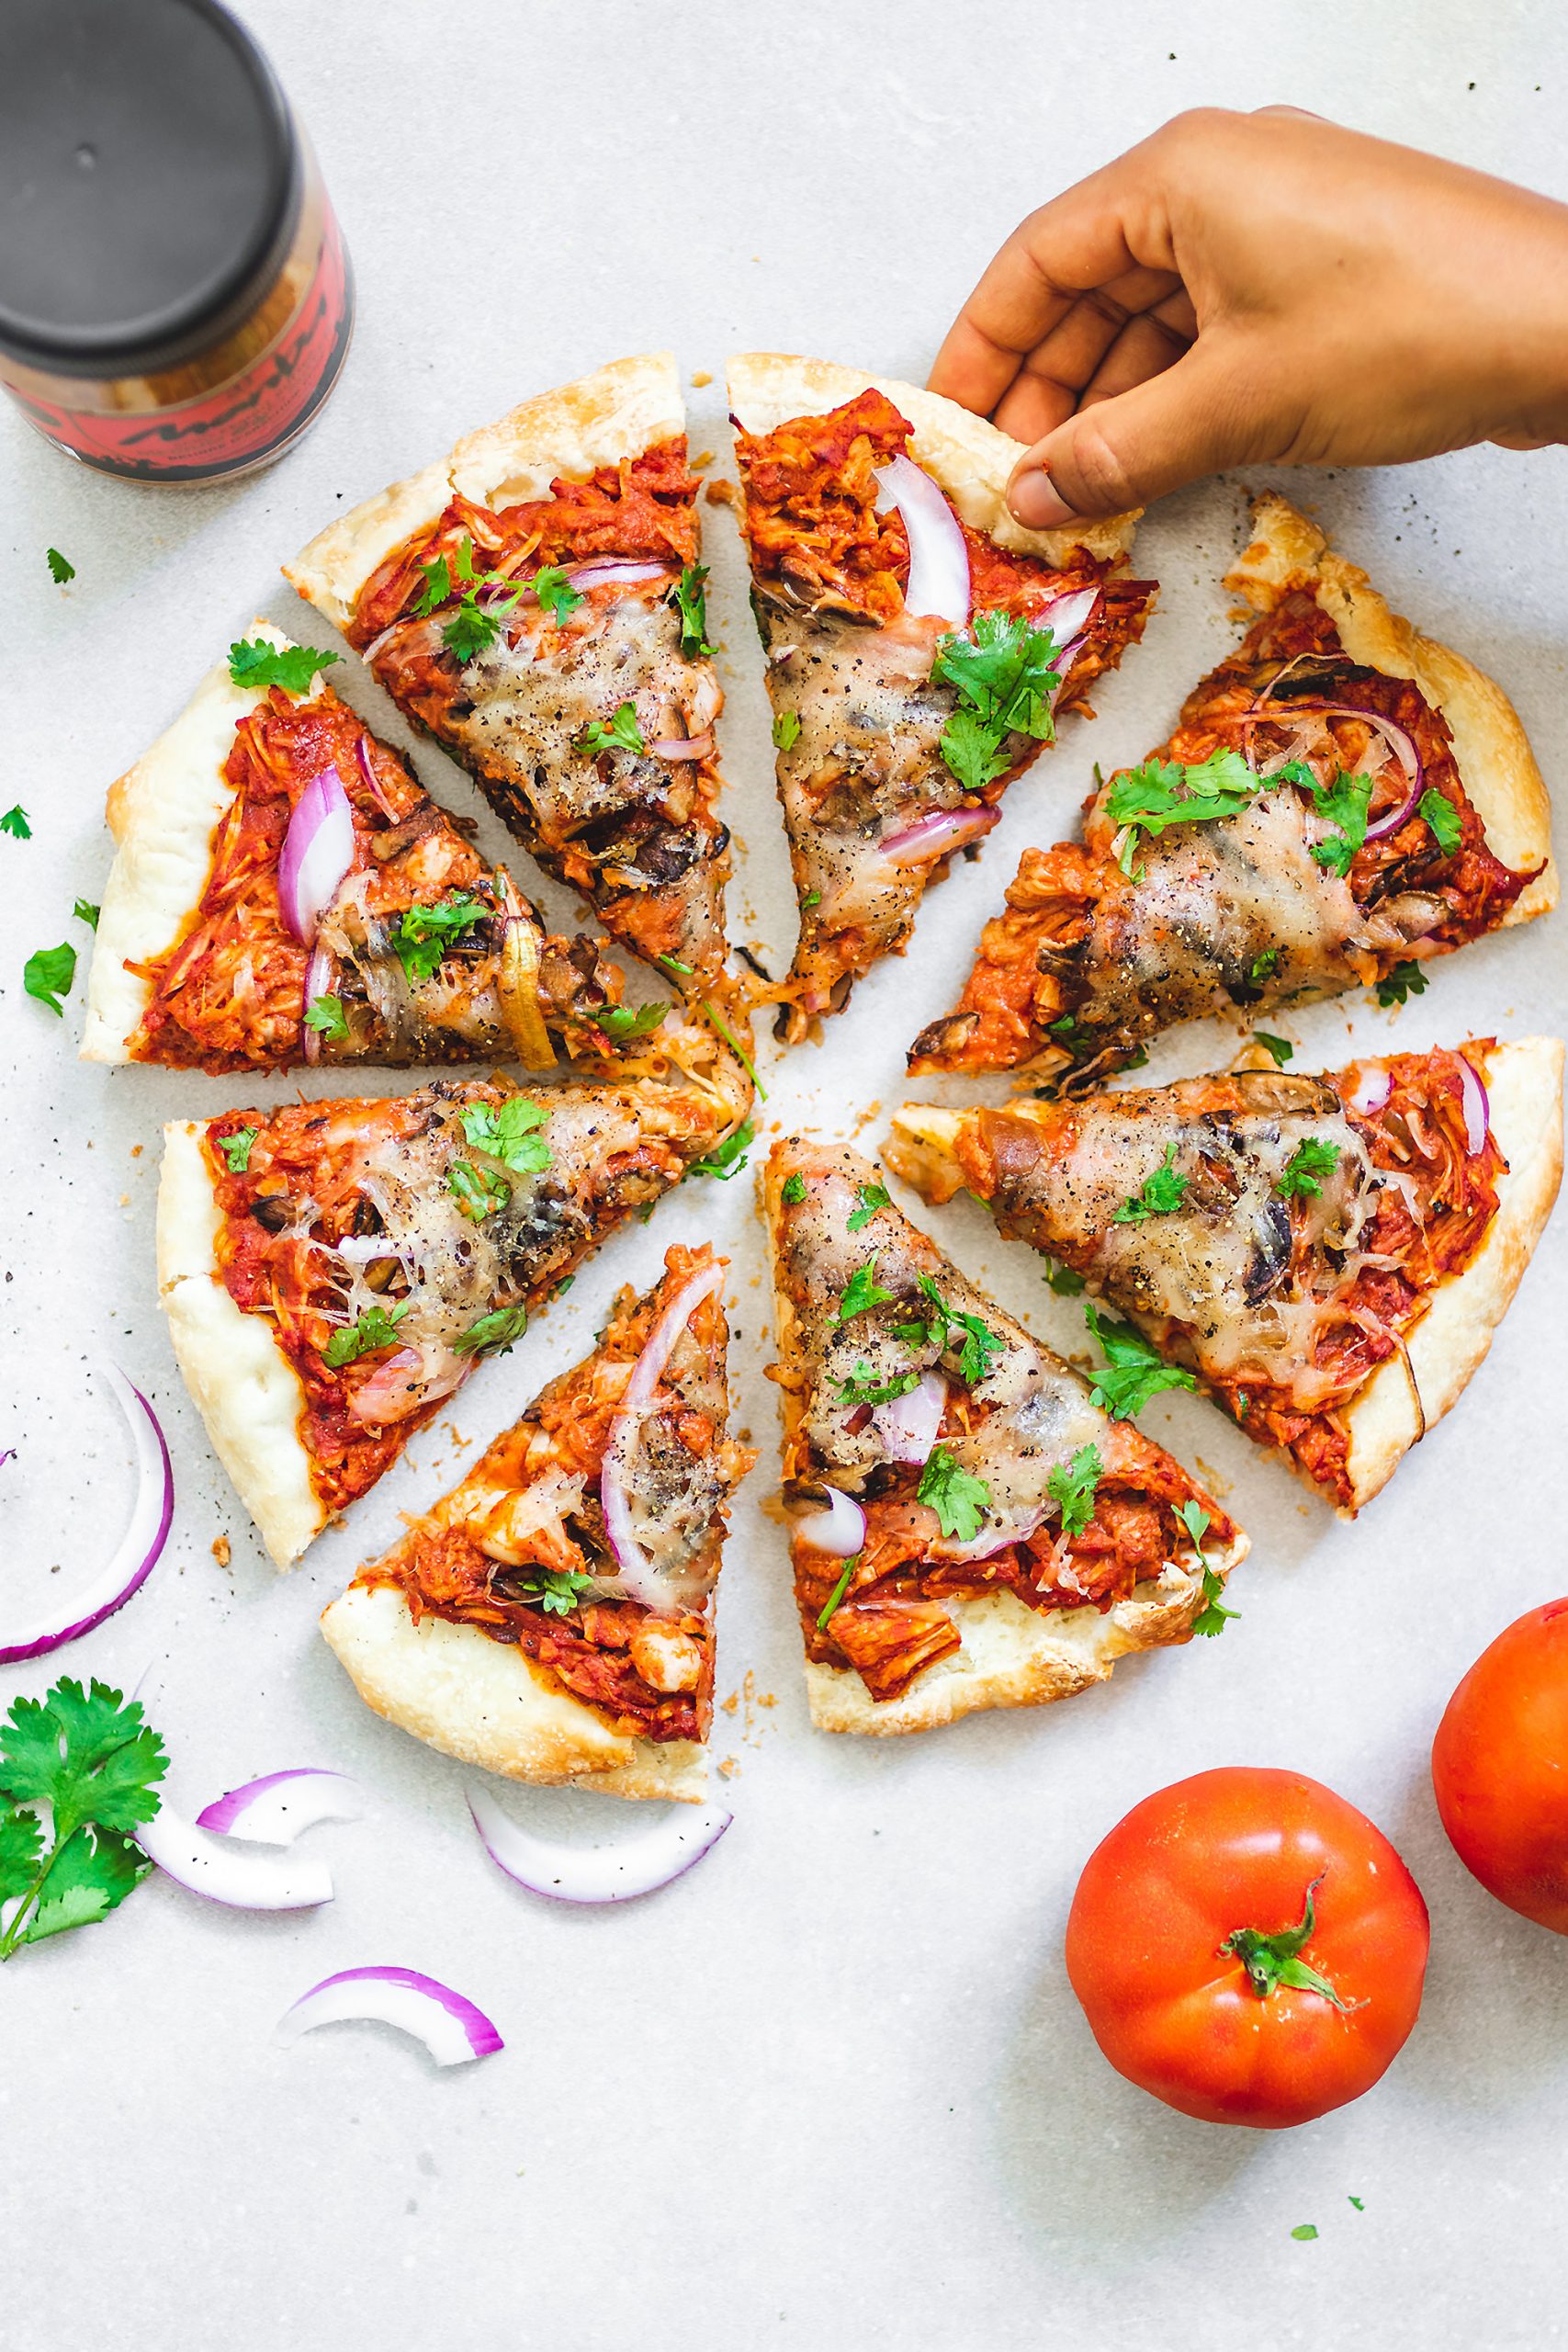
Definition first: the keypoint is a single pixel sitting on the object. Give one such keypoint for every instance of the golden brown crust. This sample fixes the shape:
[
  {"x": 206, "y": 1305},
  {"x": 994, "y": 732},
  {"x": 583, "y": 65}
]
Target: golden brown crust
[
  {"x": 617, "y": 412},
  {"x": 1011, "y": 1655},
  {"x": 968, "y": 456},
  {"x": 486, "y": 1704},
  {"x": 1495, "y": 763}
]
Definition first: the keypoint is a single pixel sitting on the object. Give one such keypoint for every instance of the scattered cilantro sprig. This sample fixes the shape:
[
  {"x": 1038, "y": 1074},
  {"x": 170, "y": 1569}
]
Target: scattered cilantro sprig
[
  {"x": 793, "y": 1189},
  {"x": 326, "y": 1014},
  {"x": 90, "y": 1757},
  {"x": 48, "y": 975},
  {"x": 556, "y": 1590},
  {"x": 377, "y": 1328},
  {"x": 1162, "y": 793},
  {"x": 254, "y": 662},
  {"x": 1160, "y": 1196},
  {"x": 509, "y": 1132},
  {"x": 1406, "y": 979},
  {"x": 14, "y": 822},
  {"x": 620, "y": 733},
  {"x": 687, "y": 595},
  {"x": 787, "y": 731},
  {"x": 236, "y": 1150},
  {"x": 1004, "y": 672},
  {"x": 1072, "y": 1486},
  {"x": 862, "y": 1292},
  {"x": 1132, "y": 1370},
  {"x": 622, "y": 1022},
  {"x": 61, "y": 568},
  {"x": 493, "y": 1333},
  {"x": 1213, "y": 1617},
  {"x": 726, "y": 1158},
  {"x": 1310, "y": 1160},
  {"x": 871, "y": 1198},
  {"x": 424, "y": 934},
  {"x": 959, "y": 1500},
  {"x": 863, "y": 1387},
  {"x": 1443, "y": 820},
  {"x": 1280, "y": 1050}
]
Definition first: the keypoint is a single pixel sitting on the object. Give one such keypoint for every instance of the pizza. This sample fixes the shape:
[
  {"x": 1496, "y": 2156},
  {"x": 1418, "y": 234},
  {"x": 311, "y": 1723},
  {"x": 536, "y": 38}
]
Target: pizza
[
  {"x": 285, "y": 890},
  {"x": 1329, "y": 1256},
  {"x": 969, "y": 1527},
  {"x": 552, "y": 1617},
  {"x": 333, "y": 1272},
  {"x": 1342, "y": 801},
  {"x": 534, "y": 599},
  {"x": 920, "y": 644}
]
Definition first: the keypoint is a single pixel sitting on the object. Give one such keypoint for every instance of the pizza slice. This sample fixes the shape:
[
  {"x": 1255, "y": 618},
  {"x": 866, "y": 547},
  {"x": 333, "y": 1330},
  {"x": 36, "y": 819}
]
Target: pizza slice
[
  {"x": 920, "y": 644},
  {"x": 969, "y": 1528},
  {"x": 333, "y": 1272},
  {"x": 285, "y": 890},
  {"x": 534, "y": 599},
  {"x": 1343, "y": 799},
  {"x": 552, "y": 1617},
  {"x": 1330, "y": 1256}
]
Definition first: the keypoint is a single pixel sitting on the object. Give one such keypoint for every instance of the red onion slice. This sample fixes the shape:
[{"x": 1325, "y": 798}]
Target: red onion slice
[
  {"x": 1370, "y": 1091},
  {"x": 452, "y": 2029},
  {"x": 226, "y": 1870},
  {"x": 372, "y": 780},
  {"x": 276, "y": 1809},
  {"x": 682, "y": 747},
  {"x": 642, "y": 1579},
  {"x": 406, "y": 1381},
  {"x": 137, "y": 1553},
  {"x": 318, "y": 983},
  {"x": 1067, "y": 618},
  {"x": 621, "y": 572},
  {"x": 934, "y": 836},
  {"x": 317, "y": 851},
  {"x": 908, "y": 1425},
  {"x": 615, "y": 1874},
  {"x": 1477, "y": 1106},
  {"x": 1401, "y": 744},
  {"x": 938, "y": 558},
  {"x": 840, "y": 1529}
]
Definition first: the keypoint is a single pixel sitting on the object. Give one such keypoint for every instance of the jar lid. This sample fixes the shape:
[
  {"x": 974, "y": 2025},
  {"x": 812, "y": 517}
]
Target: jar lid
[{"x": 150, "y": 182}]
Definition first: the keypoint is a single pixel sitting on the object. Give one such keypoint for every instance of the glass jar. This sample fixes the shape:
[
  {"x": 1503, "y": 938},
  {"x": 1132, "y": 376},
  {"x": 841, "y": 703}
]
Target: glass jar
[{"x": 175, "y": 301}]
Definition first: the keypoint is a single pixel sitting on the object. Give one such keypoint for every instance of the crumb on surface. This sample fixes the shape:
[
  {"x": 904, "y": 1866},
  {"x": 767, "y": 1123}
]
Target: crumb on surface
[
  {"x": 702, "y": 376},
  {"x": 728, "y": 1765},
  {"x": 220, "y": 1550},
  {"x": 722, "y": 494},
  {"x": 701, "y": 462},
  {"x": 136, "y": 1150}
]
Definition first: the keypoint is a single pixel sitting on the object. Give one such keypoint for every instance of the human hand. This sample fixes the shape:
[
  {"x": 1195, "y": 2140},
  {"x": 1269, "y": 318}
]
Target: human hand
[{"x": 1262, "y": 287}]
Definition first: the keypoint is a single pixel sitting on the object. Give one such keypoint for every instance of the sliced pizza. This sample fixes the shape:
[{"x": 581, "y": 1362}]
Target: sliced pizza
[
  {"x": 552, "y": 1617},
  {"x": 1329, "y": 1255},
  {"x": 969, "y": 1527},
  {"x": 285, "y": 890},
  {"x": 534, "y": 599},
  {"x": 332, "y": 1271},
  {"x": 1343, "y": 799},
  {"x": 920, "y": 644}
]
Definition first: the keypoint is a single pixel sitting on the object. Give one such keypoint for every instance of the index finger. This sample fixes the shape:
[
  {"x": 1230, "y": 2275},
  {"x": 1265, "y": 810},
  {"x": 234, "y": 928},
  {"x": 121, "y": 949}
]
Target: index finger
[{"x": 1080, "y": 239}]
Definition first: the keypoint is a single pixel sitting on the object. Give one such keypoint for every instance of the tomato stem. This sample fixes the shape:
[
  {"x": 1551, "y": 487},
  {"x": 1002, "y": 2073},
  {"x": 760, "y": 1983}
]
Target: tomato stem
[{"x": 1276, "y": 1960}]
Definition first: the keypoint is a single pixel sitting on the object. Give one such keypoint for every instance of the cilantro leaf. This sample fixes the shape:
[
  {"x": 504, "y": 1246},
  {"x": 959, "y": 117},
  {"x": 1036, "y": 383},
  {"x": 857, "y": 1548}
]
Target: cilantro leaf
[
  {"x": 377, "y": 1328},
  {"x": 972, "y": 751},
  {"x": 1306, "y": 2230},
  {"x": 1062, "y": 1281},
  {"x": 47, "y": 975},
  {"x": 477, "y": 1191},
  {"x": 556, "y": 1590},
  {"x": 1073, "y": 1483},
  {"x": 437, "y": 588},
  {"x": 498, "y": 1331},
  {"x": 91, "y": 1875},
  {"x": 1162, "y": 793},
  {"x": 326, "y": 1014},
  {"x": 793, "y": 1190},
  {"x": 812, "y": 898},
  {"x": 953, "y": 1328},
  {"x": 424, "y": 934},
  {"x": 509, "y": 1131},
  {"x": 1344, "y": 801},
  {"x": 621, "y": 733},
  {"x": 87, "y": 1753},
  {"x": 555, "y": 593},
  {"x": 1004, "y": 672},
  {"x": 86, "y": 911},
  {"x": 254, "y": 662},
  {"x": 21, "y": 1851},
  {"x": 474, "y": 628},
  {"x": 1280, "y": 1049},
  {"x": 1444, "y": 819},
  {"x": 236, "y": 1150},
  {"x": 1264, "y": 967},
  {"x": 59, "y": 569},
  {"x": 787, "y": 731},
  {"x": 1213, "y": 1617},
  {"x": 1309, "y": 1160},
  {"x": 1406, "y": 979},
  {"x": 870, "y": 1197},
  {"x": 14, "y": 822},
  {"x": 1160, "y": 1196},
  {"x": 725, "y": 1159},
  {"x": 691, "y": 605},
  {"x": 959, "y": 1500},
  {"x": 863, "y": 1387},
  {"x": 862, "y": 1292},
  {"x": 1132, "y": 1371},
  {"x": 621, "y": 1022}
]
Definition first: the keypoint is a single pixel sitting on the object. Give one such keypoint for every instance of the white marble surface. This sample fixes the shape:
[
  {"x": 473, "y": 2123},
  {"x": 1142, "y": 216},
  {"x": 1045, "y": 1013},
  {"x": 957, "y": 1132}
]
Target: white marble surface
[{"x": 834, "y": 2089}]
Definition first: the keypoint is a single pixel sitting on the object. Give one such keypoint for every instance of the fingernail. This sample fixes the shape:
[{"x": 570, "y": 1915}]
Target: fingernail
[{"x": 1037, "y": 502}]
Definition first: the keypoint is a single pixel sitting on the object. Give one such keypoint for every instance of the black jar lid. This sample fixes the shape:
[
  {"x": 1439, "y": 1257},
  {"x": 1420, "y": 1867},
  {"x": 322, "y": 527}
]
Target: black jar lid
[{"x": 150, "y": 182}]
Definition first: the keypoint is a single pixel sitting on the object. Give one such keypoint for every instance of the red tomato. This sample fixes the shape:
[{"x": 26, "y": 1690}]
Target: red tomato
[
  {"x": 1500, "y": 1766},
  {"x": 1249, "y": 1947}
]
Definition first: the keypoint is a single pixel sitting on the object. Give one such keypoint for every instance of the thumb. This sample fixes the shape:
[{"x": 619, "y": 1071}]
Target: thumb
[{"x": 1196, "y": 417}]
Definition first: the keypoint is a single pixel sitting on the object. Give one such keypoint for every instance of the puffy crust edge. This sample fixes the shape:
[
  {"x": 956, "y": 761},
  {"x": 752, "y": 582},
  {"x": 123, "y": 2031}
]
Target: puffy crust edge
[
  {"x": 615, "y": 413},
  {"x": 1011, "y": 1656},
  {"x": 1493, "y": 749},
  {"x": 969, "y": 456},
  {"x": 247, "y": 1392},
  {"x": 486, "y": 1704},
  {"x": 1524, "y": 1081},
  {"x": 162, "y": 813}
]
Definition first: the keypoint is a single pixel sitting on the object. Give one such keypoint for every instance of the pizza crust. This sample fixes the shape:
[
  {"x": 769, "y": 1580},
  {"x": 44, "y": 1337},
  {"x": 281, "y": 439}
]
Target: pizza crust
[
  {"x": 162, "y": 813},
  {"x": 487, "y": 1703},
  {"x": 1524, "y": 1083},
  {"x": 970, "y": 457},
  {"x": 617, "y": 412},
  {"x": 248, "y": 1392},
  {"x": 1495, "y": 762}
]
